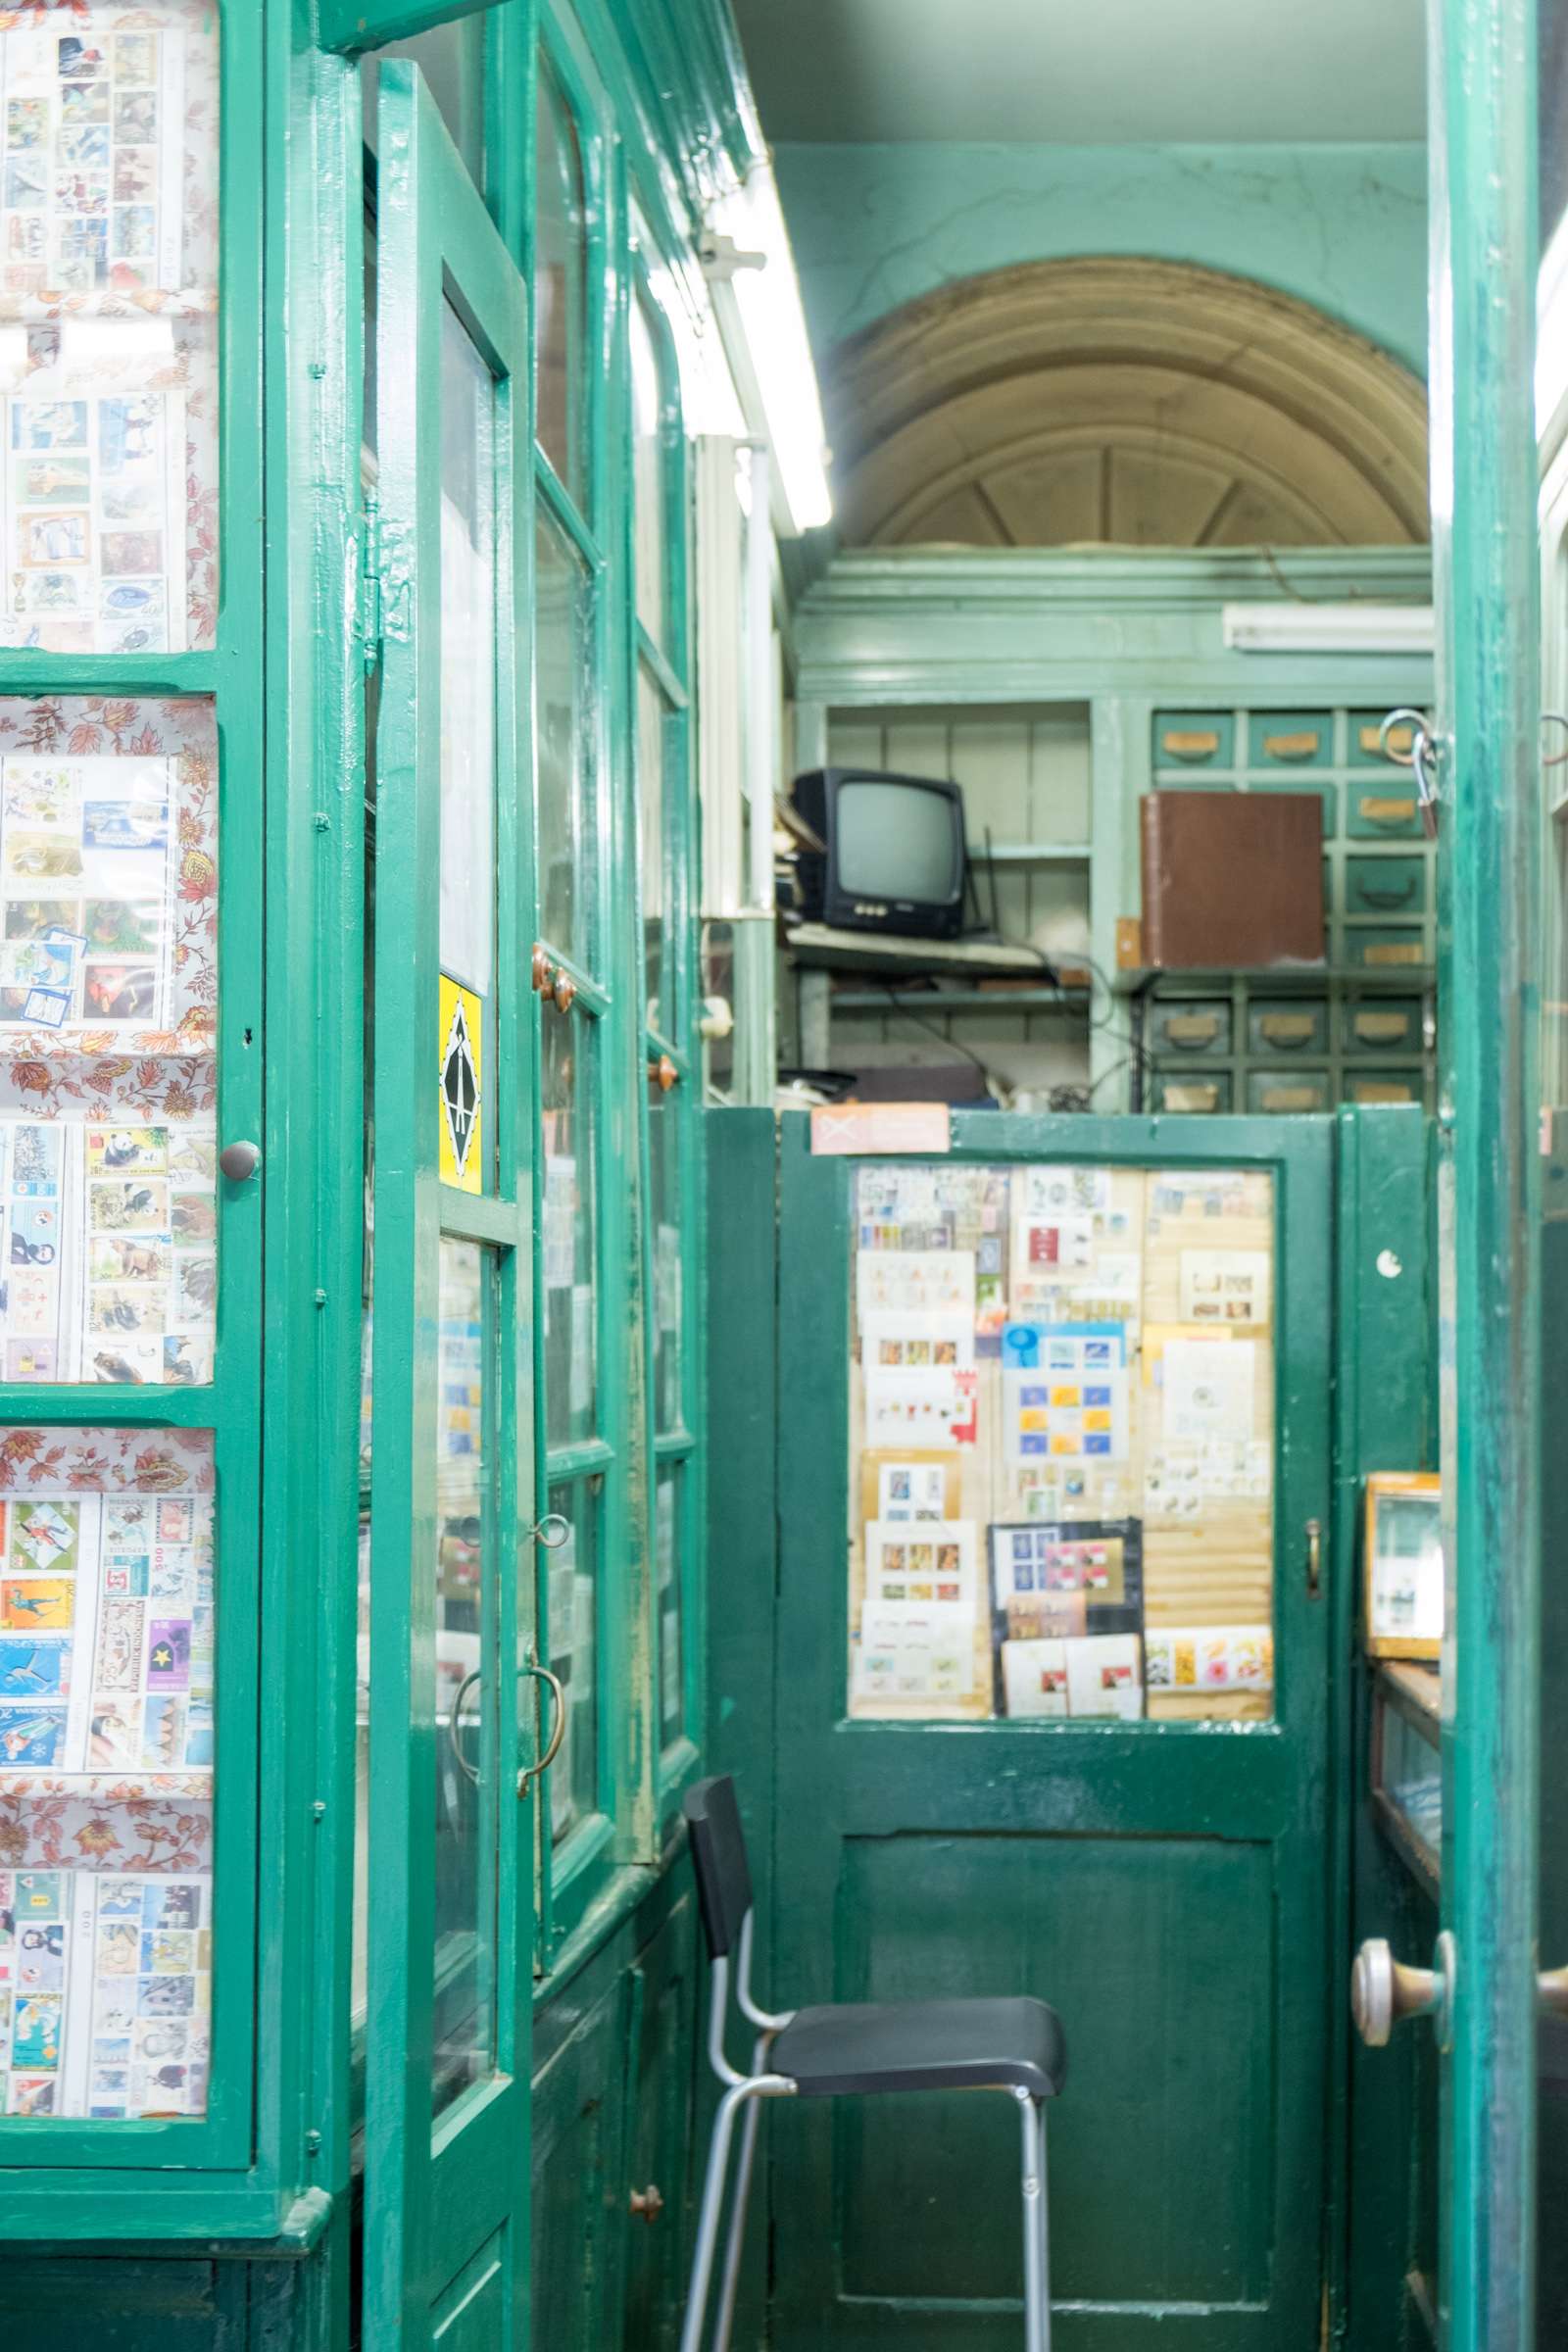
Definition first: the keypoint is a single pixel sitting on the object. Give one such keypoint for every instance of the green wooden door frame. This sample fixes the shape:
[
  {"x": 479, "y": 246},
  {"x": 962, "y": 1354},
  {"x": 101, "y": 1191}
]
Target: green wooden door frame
[
  {"x": 446, "y": 2206},
  {"x": 1483, "y": 126},
  {"x": 1220, "y": 1785}
]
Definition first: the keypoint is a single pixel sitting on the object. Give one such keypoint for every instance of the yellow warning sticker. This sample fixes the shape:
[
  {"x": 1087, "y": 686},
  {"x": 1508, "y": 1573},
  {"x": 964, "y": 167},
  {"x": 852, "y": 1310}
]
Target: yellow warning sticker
[{"x": 462, "y": 1099}]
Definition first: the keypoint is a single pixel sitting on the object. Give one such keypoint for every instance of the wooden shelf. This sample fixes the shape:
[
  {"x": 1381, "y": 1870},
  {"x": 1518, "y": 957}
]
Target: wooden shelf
[
  {"x": 817, "y": 946},
  {"x": 1033, "y": 853},
  {"x": 1073, "y": 1000}
]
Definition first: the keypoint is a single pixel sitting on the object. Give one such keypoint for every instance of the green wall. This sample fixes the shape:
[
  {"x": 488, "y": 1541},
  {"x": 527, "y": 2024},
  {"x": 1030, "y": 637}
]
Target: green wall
[{"x": 1344, "y": 227}]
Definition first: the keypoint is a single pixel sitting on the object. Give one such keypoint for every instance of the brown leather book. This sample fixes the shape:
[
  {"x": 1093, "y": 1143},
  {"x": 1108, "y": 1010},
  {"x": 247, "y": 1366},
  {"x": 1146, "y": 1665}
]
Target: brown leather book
[{"x": 1232, "y": 880}]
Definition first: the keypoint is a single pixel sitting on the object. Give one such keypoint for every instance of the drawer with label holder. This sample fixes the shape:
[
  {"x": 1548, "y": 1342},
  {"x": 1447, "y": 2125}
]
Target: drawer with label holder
[
  {"x": 1188, "y": 1025},
  {"x": 1193, "y": 1091},
  {"x": 1293, "y": 739},
  {"x": 1386, "y": 885},
  {"x": 1288, "y": 1025},
  {"x": 1194, "y": 738},
  {"x": 1386, "y": 948},
  {"x": 1385, "y": 1025},
  {"x": 1370, "y": 1087},
  {"x": 1278, "y": 1092}
]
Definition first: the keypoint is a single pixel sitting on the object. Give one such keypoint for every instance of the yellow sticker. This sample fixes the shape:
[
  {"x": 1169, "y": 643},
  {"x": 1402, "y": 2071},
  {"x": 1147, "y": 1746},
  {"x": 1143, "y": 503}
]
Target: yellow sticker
[{"x": 462, "y": 1106}]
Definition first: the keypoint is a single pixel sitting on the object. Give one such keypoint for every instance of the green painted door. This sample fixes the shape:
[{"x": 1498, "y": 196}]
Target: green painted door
[
  {"x": 452, "y": 1709},
  {"x": 1163, "y": 1882}
]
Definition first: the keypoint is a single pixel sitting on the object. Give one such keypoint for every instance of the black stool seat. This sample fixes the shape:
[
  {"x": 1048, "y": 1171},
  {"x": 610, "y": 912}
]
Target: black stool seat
[{"x": 923, "y": 2045}]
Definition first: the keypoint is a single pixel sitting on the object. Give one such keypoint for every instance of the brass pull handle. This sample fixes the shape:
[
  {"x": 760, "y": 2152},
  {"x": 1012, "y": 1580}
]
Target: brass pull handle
[
  {"x": 1314, "y": 1558},
  {"x": 647, "y": 2203},
  {"x": 541, "y": 971},
  {"x": 531, "y": 1771},
  {"x": 1384, "y": 1992},
  {"x": 665, "y": 1073},
  {"x": 454, "y": 1732}
]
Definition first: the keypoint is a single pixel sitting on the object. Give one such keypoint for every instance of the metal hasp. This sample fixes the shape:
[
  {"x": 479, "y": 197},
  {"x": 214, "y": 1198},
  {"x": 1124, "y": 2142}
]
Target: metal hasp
[
  {"x": 1483, "y": 259},
  {"x": 240, "y": 1160},
  {"x": 1384, "y": 1992}
]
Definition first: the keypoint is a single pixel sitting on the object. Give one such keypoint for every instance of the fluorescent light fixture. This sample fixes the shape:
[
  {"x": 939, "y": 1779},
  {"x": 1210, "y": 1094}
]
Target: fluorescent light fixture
[
  {"x": 757, "y": 298},
  {"x": 1348, "y": 628}
]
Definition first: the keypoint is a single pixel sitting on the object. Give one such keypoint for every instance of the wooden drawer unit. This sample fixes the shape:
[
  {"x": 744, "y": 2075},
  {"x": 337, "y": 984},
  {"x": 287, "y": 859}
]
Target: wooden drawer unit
[
  {"x": 1371, "y": 1087},
  {"x": 1383, "y": 807},
  {"x": 1386, "y": 885},
  {"x": 1386, "y": 948},
  {"x": 1289, "y": 739},
  {"x": 1193, "y": 1091},
  {"x": 1194, "y": 739},
  {"x": 1294, "y": 1025},
  {"x": 1190, "y": 1026},
  {"x": 1384, "y": 1025},
  {"x": 1289, "y": 1091}
]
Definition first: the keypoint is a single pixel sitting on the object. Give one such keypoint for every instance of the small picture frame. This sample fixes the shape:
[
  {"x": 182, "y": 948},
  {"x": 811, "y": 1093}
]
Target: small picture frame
[{"x": 1403, "y": 1564}]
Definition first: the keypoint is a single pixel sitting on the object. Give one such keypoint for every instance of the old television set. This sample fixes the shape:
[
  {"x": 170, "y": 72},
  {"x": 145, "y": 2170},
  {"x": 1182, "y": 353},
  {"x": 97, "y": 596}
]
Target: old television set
[{"x": 880, "y": 852}]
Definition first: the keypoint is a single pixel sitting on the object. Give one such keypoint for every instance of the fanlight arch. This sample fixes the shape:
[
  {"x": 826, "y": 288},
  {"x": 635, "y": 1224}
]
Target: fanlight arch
[{"x": 1123, "y": 402}]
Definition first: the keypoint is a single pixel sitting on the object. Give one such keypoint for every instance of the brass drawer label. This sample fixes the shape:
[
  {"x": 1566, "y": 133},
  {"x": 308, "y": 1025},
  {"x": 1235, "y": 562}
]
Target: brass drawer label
[
  {"x": 1288, "y": 1028},
  {"x": 1400, "y": 743},
  {"x": 1291, "y": 747},
  {"x": 1191, "y": 743},
  {"x": 1293, "y": 1098},
  {"x": 1388, "y": 812},
  {"x": 1191, "y": 1030},
  {"x": 1392, "y": 950},
  {"x": 1382, "y": 1090},
  {"x": 1191, "y": 1097},
  {"x": 1382, "y": 1028}
]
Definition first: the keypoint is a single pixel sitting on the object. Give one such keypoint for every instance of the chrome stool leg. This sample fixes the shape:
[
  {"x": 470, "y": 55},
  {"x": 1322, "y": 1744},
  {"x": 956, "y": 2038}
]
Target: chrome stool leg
[
  {"x": 747, "y": 2086},
  {"x": 730, "y": 2283},
  {"x": 1036, "y": 2246}
]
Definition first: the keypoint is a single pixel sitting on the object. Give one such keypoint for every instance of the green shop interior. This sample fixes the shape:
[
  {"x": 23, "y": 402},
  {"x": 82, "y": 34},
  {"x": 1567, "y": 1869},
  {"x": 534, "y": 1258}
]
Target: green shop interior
[{"x": 819, "y": 1176}]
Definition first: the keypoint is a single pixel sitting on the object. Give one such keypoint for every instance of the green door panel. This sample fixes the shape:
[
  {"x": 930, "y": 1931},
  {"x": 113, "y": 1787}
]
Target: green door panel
[
  {"x": 472, "y": 2315},
  {"x": 579, "y": 2143},
  {"x": 661, "y": 2131},
  {"x": 1165, "y": 1884}
]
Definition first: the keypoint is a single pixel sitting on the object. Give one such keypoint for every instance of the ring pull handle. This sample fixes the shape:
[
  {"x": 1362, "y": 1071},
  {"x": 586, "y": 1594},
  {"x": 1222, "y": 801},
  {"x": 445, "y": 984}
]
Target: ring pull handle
[
  {"x": 1422, "y": 757},
  {"x": 532, "y": 1772},
  {"x": 1555, "y": 718},
  {"x": 551, "y": 1531},
  {"x": 454, "y": 1732}
]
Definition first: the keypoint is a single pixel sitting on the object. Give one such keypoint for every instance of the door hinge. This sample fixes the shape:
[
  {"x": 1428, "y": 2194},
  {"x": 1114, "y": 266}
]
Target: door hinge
[{"x": 368, "y": 619}]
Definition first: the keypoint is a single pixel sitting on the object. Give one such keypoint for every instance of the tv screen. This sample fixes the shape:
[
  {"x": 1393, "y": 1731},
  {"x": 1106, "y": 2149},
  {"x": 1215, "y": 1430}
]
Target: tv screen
[{"x": 896, "y": 841}]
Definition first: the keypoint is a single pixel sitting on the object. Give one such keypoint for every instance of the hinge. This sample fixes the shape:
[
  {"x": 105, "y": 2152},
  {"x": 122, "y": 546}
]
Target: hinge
[{"x": 368, "y": 621}]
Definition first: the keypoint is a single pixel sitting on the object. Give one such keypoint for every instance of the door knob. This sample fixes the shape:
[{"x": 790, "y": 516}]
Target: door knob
[
  {"x": 1551, "y": 1985},
  {"x": 647, "y": 2203},
  {"x": 240, "y": 1160},
  {"x": 1384, "y": 1991}
]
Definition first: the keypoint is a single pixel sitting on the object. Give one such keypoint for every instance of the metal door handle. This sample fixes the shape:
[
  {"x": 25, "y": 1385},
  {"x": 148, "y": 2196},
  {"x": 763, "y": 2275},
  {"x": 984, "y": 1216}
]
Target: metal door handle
[
  {"x": 647, "y": 2203},
  {"x": 531, "y": 1771},
  {"x": 454, "y": 1735},
  {"x": 551, "y": 1531},
  {"x": 1314, "y": 1558},
  {"x": 1384, "y": 1991}
]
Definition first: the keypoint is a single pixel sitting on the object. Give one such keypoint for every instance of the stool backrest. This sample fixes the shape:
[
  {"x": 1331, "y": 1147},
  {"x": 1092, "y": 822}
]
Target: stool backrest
[{"x": 718, "y": 1850}]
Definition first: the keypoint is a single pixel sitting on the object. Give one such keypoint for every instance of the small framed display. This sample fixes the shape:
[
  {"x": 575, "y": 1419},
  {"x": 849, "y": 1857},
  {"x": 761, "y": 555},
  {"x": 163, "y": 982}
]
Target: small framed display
[{"x": 1404, "y": 1564}]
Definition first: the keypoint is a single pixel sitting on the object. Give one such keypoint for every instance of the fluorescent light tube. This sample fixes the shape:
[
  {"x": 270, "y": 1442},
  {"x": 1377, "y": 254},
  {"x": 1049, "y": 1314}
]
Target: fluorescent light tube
[
  {"x": 1348, "y": 628},
  {"x": 756, "y": 297}
]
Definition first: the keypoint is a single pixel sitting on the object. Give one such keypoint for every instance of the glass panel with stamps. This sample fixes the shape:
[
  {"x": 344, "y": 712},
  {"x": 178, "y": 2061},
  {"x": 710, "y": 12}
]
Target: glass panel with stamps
[
  {"x": 108, "y": 158},
  {"x": 105, "y": 1771},
  {"x": 1061, "y": 1442},
  {"x": 108, "y": 1006}
]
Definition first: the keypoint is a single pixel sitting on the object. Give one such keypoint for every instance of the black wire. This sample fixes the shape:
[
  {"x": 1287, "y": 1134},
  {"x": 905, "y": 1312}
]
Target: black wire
[{"x": 899, "y": 1005}]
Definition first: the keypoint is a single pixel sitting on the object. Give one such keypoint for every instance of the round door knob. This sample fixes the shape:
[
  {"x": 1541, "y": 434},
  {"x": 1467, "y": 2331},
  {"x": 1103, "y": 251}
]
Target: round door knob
[
  {"x": 647, "y": 2203},
  {"x": 564, "y": 990},
  {"x": 541, "y": 971},
  {"x": 1384, "y": 1992},
  {"x": 664, "y": 1073},
  {"x": 240, "y": 1160}
]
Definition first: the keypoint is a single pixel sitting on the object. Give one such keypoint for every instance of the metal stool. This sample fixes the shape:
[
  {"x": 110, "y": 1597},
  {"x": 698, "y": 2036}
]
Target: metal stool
[{"x": 1011, "y": 2045}]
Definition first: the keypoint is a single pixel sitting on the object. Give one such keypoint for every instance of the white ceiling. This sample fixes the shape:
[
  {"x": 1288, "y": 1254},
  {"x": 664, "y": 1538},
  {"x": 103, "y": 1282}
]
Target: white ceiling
[{"x": 1087, "y": 72}]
